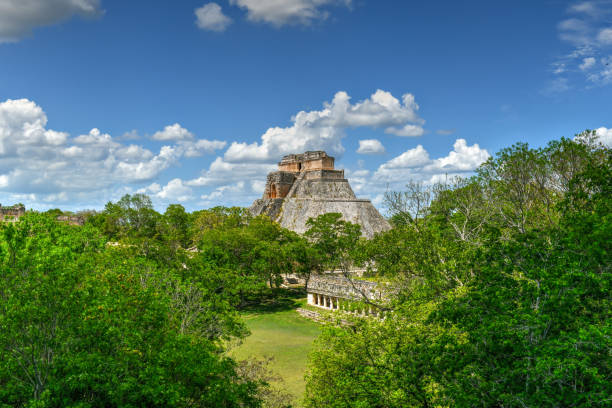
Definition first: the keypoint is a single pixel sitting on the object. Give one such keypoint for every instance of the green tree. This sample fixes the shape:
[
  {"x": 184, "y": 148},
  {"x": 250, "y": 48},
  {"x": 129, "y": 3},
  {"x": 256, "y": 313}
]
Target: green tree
[
  {"x": 84, "y": 324},
  {"x": 503, "y": 293},
  {"x": 174, "y": 226},
  {"x": 334, "y": 241}
]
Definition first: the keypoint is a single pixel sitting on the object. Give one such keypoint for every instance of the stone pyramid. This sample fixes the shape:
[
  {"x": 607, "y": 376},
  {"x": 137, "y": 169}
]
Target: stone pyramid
[{"x": 307, "y": 185}]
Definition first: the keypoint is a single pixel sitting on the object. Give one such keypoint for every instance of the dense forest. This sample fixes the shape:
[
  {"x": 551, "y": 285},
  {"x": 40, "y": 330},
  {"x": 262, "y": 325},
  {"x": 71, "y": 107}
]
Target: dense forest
[{"x": 501, "y": 296}]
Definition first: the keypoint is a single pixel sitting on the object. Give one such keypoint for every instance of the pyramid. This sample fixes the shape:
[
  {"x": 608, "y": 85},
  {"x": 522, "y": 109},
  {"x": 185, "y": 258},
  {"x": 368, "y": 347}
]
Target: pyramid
[{"x": 307, "y": 185}]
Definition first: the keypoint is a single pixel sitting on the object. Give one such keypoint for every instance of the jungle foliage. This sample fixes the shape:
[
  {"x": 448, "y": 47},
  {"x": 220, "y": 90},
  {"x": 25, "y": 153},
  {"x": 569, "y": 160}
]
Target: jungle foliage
[
  {"x": 504, "y": 284},
  {"x": 135, "y": 308}
]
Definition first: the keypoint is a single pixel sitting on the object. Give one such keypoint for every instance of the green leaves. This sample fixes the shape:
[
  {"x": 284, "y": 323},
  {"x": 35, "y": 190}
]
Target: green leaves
[
  {"x": 503, "y": 291},
  {"x": 334, "y": 241},
  {"x": 89, "y": 325}
]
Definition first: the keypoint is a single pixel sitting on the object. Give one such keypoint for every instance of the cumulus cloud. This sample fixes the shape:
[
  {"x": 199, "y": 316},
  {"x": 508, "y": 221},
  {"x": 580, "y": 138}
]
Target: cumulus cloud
[
  {"x": 605, "y": 135},
  {"x": 173, "y": 132},
  {"x": 19, "y": 17},
  {"x": 283, "y": 12},
  {"x": 175, "y": 190},
  {"x": 416, "y": 163},
  {"x": 219, "y": 192},
  {"x": 222, "y": 172},
  {"x": 324, "y": 129},
  {"x": 370, "y": 146},
  {"x": 50, "y": 165},
  {"x": 211, "y": 17},
  {"x": 412, "y": 158},
  {"x": 199, "y": 147},
  {"x": 239, "y": 192}
]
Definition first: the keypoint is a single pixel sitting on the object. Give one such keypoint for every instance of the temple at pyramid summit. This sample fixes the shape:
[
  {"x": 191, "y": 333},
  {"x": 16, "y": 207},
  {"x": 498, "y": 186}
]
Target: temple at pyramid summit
[{"x": 307, "y": 185}]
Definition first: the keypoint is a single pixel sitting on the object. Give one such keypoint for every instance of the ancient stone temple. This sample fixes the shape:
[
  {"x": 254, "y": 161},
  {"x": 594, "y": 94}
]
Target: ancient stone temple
[
  {"x": 12, "y": 213},
  {"x": 307, "y": 185}
]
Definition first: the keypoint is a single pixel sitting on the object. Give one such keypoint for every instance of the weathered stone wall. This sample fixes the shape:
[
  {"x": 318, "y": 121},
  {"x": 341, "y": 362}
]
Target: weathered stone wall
[
  {"x": 322, "y": 189},
  {"x": 296, "y": 212},
  {"x": 71, "y": 219},
  {"x": 318, "y": 164},
  {"x": 324, "y": 174},
  {"x": 312, "y": 160},
  {"x": 278, "y": 184},
  {"x": 270, "y": 207},
  {"x": 338, "y": 286},
  {"x": 11, "y": 213}
]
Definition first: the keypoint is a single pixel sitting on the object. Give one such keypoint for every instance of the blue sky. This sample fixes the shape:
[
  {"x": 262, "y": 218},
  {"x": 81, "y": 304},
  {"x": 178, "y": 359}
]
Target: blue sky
[{"x": 195, "y": 101}]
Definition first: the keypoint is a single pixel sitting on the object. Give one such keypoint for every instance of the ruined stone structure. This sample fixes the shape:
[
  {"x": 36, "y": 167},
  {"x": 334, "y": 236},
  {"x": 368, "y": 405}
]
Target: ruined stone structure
[
  {"x": 326, "y": 291},
  {"x": 71, "y": 219},
  {"x": 306, "y": 186},
  {"x": 12, "y": 213}
]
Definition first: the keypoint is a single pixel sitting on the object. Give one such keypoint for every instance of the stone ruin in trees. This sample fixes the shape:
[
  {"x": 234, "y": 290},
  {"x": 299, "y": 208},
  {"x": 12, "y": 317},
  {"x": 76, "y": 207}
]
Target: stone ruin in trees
[
  {"x": 305, "y": 186},
  {"x": 11, "y": 213}
]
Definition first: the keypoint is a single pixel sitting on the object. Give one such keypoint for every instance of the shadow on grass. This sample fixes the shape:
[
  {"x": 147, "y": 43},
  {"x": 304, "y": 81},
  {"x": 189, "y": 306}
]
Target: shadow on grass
[{"x": 274, "y": 300}]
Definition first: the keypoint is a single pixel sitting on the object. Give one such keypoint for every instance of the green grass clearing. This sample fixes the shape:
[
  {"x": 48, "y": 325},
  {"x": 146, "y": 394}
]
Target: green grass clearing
[{"x": 285, "y": 336}]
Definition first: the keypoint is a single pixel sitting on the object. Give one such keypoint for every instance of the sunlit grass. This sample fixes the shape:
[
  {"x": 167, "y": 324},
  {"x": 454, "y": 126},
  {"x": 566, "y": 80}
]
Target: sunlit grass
[{"x": 286, "y": 337}]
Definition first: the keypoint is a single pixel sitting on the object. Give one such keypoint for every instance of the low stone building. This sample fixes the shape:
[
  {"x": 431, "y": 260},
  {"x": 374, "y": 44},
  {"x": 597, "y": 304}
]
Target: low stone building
[
  {"x": 307, "y": 185},
  {"x": 11, "y": 213},
  {"x": 328, "y": 290}
]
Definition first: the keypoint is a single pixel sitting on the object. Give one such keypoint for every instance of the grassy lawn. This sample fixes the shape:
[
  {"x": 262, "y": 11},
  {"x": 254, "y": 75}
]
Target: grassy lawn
[{"x": 278, "y": 331}]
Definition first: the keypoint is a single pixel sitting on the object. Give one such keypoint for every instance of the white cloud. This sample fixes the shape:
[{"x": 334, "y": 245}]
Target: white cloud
[
  {"x": 19, "y": 17},
  {"x": 407, "y": 131},
  {"x": 236, "y": 193},
  {"x": 417, "y": 157},
  {"x": 211, "y": 17},
  {"x": 202, "y": 146},
  {"x": 587, "y": 7},
  {"x": 603, "y": 75},
  {"x": 370, "y": 146},
  {"x": 175, "y": 190},
  {"x": 153, "y": 188},
  {"x": 282, "y": 12},
  {"x": 590, "y": 35},
  {"x": 219, "y": 192},
  {"x": 173, "y": 132},
  {"x": 222, "y": 172},
  {"x": 587, "y": 63},
  {"x": 461, "y": 158},
  {"x": 324, "y": 129},
  {"x": 605, "y": 36},
  {"x": 605, "y": 135},
  {"x": 46, "y": 165},
  {"x": 416, "y": 164}
]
